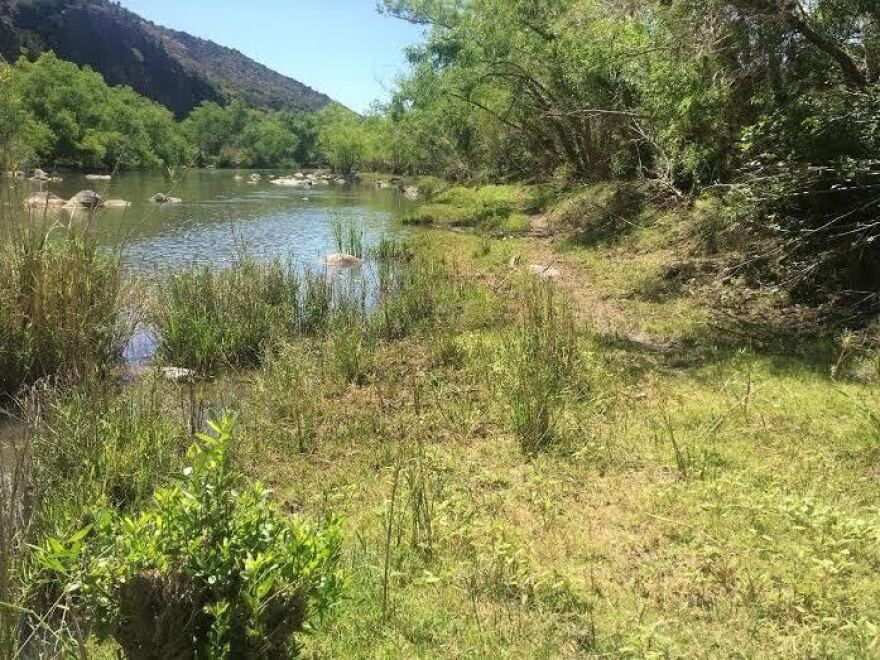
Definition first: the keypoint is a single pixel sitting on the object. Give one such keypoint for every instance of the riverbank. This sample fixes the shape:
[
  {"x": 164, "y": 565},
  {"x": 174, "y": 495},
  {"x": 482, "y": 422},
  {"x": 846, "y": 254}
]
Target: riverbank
[{"x": 545, "y": 443}]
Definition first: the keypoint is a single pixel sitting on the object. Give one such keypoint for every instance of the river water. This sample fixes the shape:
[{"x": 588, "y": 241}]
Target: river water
[{"x": 219, "y": 214}]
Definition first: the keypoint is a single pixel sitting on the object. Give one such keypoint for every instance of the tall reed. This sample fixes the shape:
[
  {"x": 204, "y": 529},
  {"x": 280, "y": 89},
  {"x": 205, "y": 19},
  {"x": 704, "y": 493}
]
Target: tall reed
[
  {"x": 207, "y": 319},
  {"x": 538, "y": 360},
  {"x": 62, "y": 301}
]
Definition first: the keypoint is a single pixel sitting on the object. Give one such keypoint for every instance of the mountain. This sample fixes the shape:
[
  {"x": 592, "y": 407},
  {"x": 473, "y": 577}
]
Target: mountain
[{"x": 173, "y": 68}]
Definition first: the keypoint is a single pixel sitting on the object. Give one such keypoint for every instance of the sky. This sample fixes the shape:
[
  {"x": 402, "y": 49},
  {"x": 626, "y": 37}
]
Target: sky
[{"x": 343, "y": 48}]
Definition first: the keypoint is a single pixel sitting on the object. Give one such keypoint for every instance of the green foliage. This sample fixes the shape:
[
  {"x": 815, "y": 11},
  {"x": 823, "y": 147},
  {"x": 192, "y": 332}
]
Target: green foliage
[
  {"x": 75, "y": 119},
  {"x": 487, "y": 207},
  {"x": 598, "y": 212},
  {"x": 209, "y": 568},
  {"x": 236, "y": 136}
]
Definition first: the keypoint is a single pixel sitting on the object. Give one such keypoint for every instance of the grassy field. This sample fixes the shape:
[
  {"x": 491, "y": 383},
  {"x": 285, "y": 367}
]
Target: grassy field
[{"x": 590, "y": 467}]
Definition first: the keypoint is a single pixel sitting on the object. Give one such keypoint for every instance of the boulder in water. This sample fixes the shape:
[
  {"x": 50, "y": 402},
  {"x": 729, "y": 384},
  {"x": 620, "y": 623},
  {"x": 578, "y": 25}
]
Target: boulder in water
[
  {"x": 99, "y": 177},
  {"x": 86, "y": 199},
  {"x": 44, "y": 200},
  {"x": 116, "y": 204},
  {"x": 341, "y": 260},
  {"x": 162, "y": 198},
  {"x": 39, "y": 175}
]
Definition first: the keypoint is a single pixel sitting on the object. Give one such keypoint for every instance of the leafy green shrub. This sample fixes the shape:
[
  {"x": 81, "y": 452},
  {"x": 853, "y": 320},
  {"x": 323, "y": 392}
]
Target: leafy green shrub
[
  {"x": 537, "y": 361},
  {"x": 62, "y": 310},
  {"x": 209, "y": 569},
  {"x": 209, "y": 318}
]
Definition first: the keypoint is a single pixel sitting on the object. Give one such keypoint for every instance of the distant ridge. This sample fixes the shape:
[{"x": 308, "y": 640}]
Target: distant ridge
[{"x": 173, "y": 68}]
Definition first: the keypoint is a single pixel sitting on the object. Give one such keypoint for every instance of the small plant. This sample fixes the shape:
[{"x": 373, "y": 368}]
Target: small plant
[
  {"x": 538, "y": 360},
  {"x": 209, "y": 569},
  {"x": 349, "y": 238}
]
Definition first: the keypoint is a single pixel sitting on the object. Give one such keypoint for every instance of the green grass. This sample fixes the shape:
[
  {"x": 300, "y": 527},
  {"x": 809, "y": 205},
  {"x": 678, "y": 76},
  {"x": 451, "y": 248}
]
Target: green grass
[
  {"x": 502, "y": 208},
  {"x": 585, "y": 470},
  {"x": 209, "y": 319}
]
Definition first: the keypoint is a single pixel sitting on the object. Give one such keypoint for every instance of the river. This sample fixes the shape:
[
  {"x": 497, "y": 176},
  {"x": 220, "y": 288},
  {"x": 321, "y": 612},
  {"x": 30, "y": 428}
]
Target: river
[{"x": 219, "y": 214}]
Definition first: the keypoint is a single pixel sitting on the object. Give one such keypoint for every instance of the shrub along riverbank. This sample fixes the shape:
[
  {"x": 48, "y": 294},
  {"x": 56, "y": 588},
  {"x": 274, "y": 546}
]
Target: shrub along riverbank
[{"x": 515, "y": 446}]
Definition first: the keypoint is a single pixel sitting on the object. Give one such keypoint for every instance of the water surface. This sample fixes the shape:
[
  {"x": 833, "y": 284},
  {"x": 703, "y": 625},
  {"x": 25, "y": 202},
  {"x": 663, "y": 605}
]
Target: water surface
[{"x": 219, "y": 214}]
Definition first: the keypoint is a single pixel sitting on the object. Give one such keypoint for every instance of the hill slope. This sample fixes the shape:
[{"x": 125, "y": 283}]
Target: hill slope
[{"x": 173, "y": 68}]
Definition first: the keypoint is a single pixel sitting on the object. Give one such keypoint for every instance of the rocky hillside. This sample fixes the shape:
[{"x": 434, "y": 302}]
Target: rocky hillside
[{"x": 174, "y": 68}]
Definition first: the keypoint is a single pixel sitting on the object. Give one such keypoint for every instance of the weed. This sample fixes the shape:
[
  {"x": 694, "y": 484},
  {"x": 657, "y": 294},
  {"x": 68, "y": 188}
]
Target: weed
[{"x": 537, "y": 360}]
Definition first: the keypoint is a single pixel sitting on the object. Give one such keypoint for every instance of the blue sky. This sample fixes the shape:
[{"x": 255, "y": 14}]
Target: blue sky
[{"x": 343, "y": 48}]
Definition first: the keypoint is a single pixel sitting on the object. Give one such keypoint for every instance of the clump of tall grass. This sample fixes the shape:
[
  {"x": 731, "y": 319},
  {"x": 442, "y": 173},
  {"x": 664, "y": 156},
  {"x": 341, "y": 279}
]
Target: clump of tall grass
[
  {"x": 349, "y": 238},
  {"x": 316, "y": 306},
  {"x": 410, "y": 294},
  {"x": 289, "y": 399},
  {"x": 62, "y": 304},
  {"x": 207, "y": 319},
  {"x": 538, "y": 360}
]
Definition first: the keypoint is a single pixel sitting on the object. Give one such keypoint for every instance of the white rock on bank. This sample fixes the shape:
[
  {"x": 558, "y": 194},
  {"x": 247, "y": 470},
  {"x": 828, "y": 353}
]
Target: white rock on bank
[
  {"x": 178, "y": 374},
  {"x": 544, "y": 272}
]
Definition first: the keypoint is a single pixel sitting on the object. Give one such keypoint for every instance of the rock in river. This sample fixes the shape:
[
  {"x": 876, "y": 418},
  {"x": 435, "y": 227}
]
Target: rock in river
[
  {"x": 162, "y": 198},
  {"x": 99, "y": 177},
  {"x": 116, "y": 204},
  {"x": 44, "y": 200},
  {"x": 340, "y": 260},
  {"x": 86, "y": 199}
]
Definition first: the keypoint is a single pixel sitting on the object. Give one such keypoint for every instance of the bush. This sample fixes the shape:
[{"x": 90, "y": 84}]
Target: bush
[
  {"x": 62, "y": 311},
  {"x": 210, "y": 569}
]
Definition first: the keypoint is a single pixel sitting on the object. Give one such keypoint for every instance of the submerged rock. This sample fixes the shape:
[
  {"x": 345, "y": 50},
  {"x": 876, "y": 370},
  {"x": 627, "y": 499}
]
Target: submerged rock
[
  {"x": 238, "y": 177},
  {"x": 44, "y": 200},
  {"x": 291, "y": 182},
  {"x": 341, "y": 260}
]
